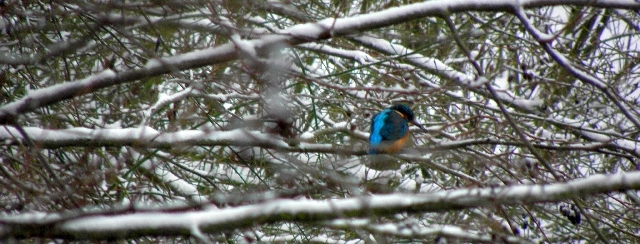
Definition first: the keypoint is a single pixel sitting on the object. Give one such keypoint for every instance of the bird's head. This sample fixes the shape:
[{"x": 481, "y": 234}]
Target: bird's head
[
  {"x": 408, "y": 114},
  {"x": 404, "y": 110}
]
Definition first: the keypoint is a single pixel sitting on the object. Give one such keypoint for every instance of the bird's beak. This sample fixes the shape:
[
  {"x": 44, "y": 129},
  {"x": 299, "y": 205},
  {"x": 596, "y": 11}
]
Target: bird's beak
[{"x": 420, "y": 126}]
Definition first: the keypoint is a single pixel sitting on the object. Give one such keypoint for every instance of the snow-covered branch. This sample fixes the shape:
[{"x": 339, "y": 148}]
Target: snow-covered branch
[
  {"x": 294, "y": 35},
  {"x": 149, "y": 137},
  {"x": 206, "y": 122},
  {"x": 129, "y": 225}
]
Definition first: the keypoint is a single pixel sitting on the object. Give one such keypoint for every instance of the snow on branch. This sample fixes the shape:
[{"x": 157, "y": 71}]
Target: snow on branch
[
  {"x": 149, "y": 137},
  {"x": 132, "y": 223},
  {"x": 412, "y": 231},
  {"x": 438, "y": 67},
  {"x": 545, "y": 40},
  {"x": 302, "y": 33}
]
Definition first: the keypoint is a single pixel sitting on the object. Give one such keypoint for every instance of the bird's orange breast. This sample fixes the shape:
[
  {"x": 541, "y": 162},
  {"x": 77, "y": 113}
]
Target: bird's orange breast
[{"x": 394, "y": 146}]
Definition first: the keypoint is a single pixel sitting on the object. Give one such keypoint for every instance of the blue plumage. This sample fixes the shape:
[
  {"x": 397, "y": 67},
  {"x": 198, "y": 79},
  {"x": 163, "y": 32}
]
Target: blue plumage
[
  {"x": 377, "y": 122},
  {"x": 390, "y": 129}
]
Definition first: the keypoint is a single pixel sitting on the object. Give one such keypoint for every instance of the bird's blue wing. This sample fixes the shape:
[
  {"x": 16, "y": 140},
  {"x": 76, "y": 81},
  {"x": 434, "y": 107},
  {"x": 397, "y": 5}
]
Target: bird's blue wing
[{"x": 377, "y": 123}]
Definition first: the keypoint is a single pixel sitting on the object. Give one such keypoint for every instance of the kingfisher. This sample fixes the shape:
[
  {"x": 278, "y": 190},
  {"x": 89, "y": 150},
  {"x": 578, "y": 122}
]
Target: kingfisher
[{"x": 390, "y": 129}]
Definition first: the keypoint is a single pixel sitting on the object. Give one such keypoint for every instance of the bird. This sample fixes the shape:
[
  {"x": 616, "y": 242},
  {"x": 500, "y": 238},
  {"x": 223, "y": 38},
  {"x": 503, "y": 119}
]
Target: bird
[{"x": 390, "y": 129}]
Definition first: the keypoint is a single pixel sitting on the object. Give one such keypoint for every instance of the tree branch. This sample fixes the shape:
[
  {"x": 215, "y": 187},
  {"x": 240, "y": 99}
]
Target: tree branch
[
  {"x": 294, "y": 35},
  {"x": 132, "y": 225}
]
